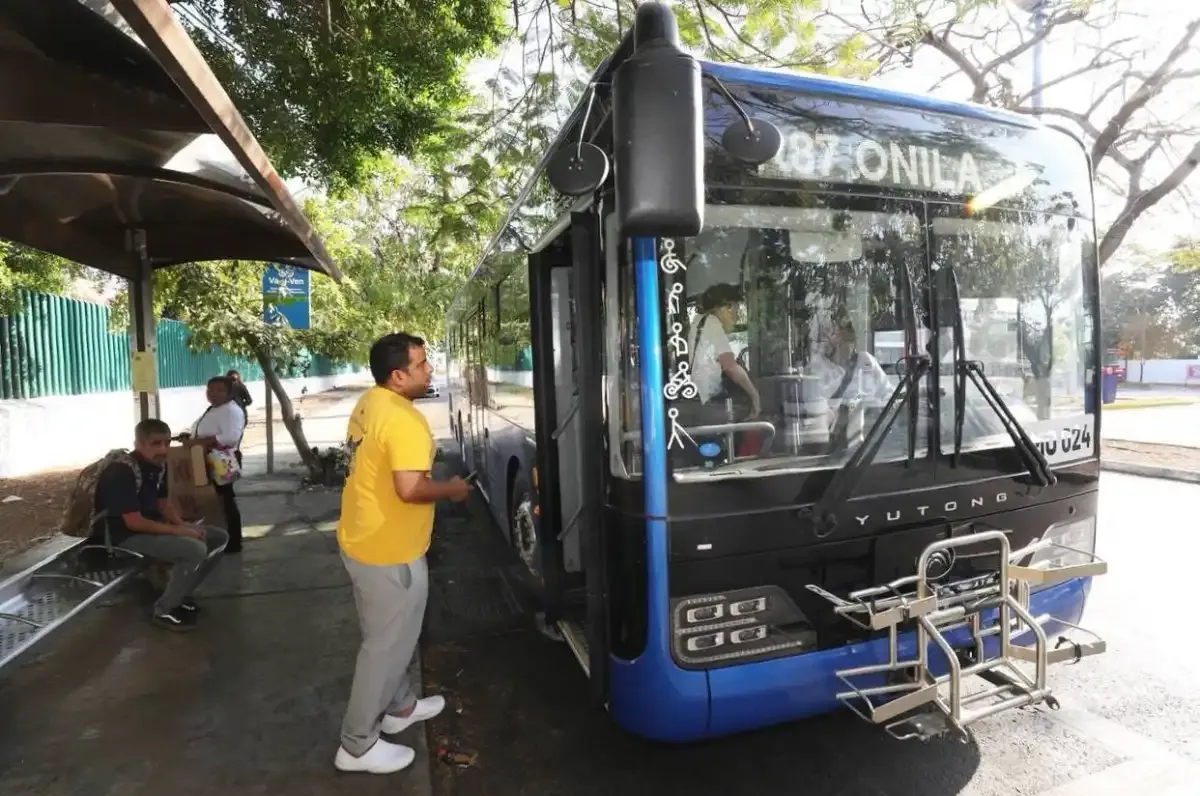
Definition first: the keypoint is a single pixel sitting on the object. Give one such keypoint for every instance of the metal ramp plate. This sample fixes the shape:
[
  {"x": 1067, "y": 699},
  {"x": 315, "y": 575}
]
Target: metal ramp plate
[
  {"x": 913, "y": 702},
  {"x": 575, "y": 634},
  {"x": 35, "y": 602}
]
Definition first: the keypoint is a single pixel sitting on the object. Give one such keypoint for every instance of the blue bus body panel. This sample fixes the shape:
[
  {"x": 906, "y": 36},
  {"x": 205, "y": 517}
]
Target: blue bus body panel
[
  {"x": 818, "y": 85},
  {"x": 651, "y": 696},
  {"x": 654, "y": 698}
]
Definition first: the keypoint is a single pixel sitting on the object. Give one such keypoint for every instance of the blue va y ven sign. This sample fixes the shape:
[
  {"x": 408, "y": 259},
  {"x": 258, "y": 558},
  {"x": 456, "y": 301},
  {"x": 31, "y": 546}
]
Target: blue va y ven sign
[{"x": 285, "y": 296}]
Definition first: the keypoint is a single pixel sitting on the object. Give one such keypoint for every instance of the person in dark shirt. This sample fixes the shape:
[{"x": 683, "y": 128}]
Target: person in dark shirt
[
  {"x": 145, "y": 521},
  {"x": 241, "y": 393}
]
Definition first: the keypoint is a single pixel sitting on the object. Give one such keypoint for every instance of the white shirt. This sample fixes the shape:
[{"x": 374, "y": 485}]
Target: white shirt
[
  {"x": 705, "y": 369},
  {"x": 869, "y": 382},
  {"x": 225, "y": 422}
]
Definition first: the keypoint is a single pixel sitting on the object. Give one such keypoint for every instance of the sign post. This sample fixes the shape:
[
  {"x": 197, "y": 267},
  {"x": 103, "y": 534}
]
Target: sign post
[{"x": 285, "y": 303}]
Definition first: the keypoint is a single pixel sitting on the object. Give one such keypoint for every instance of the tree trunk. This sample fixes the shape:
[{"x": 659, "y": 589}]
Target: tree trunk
[{"x": 288, "y": 413}]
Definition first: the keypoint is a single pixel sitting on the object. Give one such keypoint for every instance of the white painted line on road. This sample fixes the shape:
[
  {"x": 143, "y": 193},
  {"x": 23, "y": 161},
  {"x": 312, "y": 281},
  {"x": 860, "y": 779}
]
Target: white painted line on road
[
  {"x": 1115, "y": 737},
  {"x": 1145, "y": 777}
]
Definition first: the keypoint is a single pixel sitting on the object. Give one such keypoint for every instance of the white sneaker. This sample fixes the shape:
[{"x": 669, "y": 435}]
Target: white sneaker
[
  {"x": 382, "y": 758},
  {"x": 426, "y": 709}
]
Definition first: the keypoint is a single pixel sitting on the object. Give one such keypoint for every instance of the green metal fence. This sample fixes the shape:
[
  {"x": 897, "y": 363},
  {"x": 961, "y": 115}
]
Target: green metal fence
[{"x": 61, "y": 346}]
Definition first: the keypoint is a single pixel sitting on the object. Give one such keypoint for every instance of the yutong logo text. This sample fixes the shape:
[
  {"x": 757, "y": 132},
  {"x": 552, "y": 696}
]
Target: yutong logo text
[{"x": 935, "y": 509}]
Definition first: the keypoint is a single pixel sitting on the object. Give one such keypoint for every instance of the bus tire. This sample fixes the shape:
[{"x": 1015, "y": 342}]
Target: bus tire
[{"x": 521, "y": 526}]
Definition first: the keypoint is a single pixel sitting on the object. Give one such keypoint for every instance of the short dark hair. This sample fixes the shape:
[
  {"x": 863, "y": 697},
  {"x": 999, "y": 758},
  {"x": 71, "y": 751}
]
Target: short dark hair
[
  {"x": 231, "y": 373},
  {"x": 224, "y": 380},
  {"x": 391, "y": 353},
  {"x": 719, "y": 295},
  {"x": 150, "y": 427}
]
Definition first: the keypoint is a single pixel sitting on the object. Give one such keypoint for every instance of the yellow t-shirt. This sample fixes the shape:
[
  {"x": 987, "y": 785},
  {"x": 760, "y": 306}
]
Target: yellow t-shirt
[{"x": 385, "y": 433}]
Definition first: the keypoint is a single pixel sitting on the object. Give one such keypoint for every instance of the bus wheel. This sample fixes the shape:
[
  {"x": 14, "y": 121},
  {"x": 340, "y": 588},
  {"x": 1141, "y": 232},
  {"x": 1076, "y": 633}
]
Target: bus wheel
[{"x": 521, "y": 524}]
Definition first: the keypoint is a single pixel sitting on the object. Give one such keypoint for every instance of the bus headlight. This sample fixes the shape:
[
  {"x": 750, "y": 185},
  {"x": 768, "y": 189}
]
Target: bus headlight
[
  {"x": 714, "y": 629},
  {"x": 1077, "y": 544}
]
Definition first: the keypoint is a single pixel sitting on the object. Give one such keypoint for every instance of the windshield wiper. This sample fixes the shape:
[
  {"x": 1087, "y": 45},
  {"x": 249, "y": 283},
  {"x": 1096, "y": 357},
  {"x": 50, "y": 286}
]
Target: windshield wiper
[
  {"x": 846, "y": 480},
  {"x": 971, "y": 369}
]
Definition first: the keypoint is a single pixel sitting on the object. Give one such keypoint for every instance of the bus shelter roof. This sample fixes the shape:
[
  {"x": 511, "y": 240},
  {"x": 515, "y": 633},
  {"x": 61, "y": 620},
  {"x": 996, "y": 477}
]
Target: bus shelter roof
[{"x": 112, "y": 122}]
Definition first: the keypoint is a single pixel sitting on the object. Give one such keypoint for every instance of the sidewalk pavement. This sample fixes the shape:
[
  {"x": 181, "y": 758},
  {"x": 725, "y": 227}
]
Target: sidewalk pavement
[
  {"x": 324, "y": 426},
  {"x": 248, "y": 703}
]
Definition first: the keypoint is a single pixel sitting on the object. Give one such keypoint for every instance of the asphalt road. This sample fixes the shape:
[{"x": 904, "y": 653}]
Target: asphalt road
[{"x": 1129, "y": 721}]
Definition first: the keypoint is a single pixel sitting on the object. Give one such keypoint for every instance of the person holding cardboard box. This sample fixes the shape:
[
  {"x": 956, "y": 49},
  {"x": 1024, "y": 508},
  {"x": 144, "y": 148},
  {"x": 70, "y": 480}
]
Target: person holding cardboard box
[
  {"x": 220, "y": 431},
  {"x": 384, "y": 531},
  {"x": 131, "y": 501}
]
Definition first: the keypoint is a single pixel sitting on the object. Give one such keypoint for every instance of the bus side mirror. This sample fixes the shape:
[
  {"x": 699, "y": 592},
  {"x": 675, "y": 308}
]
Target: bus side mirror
[{"x": 658, "y": 130}]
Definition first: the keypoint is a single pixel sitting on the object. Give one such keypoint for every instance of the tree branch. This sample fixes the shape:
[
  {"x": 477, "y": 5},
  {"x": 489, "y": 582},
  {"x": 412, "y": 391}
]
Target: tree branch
[
  {"x": 1149, "y": 89},
  {"x": 1139, "y": 203},
  {"x": 1074, "y": 73},
  {"x": 959, "y": 59},
  {"x": 1047, "y": 28}
]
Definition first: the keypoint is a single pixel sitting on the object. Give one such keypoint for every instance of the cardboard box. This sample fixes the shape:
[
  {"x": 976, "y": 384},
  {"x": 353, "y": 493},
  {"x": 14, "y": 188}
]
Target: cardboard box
[{"x": 189, "y": 487}]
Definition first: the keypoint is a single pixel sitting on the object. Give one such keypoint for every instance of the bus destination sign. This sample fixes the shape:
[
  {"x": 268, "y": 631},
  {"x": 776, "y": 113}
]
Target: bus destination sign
[{"x": 851, "y": 158}]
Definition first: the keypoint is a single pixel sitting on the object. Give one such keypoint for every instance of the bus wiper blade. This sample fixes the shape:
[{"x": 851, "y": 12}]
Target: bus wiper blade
[
  {"x": 965, "y": 369},
  {"x": 846, "y": 480}
]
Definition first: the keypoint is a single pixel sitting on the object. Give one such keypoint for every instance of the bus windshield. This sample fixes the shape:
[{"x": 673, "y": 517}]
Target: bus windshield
[{"x": 789, "y": 330}]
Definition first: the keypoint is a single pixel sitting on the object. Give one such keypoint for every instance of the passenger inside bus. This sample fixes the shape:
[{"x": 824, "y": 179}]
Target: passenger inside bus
[{"x": 715, "y": 371}]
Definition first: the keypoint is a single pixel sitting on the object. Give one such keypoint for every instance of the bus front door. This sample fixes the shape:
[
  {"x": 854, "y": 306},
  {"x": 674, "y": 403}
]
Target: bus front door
[
  {"x": 565, "y": 286},
  {"x": 476, "y": 395}
]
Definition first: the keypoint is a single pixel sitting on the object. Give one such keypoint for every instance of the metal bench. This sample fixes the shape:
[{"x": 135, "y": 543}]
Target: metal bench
[{"x": 37, "y": 601}]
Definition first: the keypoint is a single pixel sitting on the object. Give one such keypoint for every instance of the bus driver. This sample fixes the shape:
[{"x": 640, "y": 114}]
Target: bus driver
[{"x": 849, "y": 377}]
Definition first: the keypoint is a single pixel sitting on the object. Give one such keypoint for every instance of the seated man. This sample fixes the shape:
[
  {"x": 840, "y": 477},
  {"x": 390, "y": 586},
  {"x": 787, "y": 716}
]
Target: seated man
[
  {"x": 851, "y": 379},
  {"x": 143, "y": 520}
]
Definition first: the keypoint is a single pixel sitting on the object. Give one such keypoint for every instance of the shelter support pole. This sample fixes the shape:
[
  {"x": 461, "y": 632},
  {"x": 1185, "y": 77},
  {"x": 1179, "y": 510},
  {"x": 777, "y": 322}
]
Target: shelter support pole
[
  {"x": 142, "y": 340},
  {"x": 270, "y": 427}
]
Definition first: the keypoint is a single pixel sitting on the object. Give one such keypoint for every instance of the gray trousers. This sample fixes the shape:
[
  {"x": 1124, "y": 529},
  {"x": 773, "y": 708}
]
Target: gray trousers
[
  {"x": 391, "y": 607},
  {"x": 193, "y": 559}
]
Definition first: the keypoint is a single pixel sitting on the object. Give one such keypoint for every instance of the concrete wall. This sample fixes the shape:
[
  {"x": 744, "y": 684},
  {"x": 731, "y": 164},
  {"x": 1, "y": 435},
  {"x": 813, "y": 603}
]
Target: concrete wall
[
  {"x": 71, "y": 431},
  {"x": 1161, "y": 371}
]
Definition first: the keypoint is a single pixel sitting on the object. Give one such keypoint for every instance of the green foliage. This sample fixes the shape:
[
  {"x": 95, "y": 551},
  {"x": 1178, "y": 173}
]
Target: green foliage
[
  {"x": 24, "y": 268},
  {"x": 405, "y": 240},
  {"x": 1153, "y": 309},
  {"x": 795, "y": 34},
  {"x": 1185, "y": 255},
  {"x": 328, "y": 86}
]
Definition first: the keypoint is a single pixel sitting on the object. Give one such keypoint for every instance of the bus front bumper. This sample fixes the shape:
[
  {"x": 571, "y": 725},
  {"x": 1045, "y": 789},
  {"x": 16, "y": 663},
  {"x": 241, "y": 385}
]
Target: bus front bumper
[{"x": 654, "y": 698}]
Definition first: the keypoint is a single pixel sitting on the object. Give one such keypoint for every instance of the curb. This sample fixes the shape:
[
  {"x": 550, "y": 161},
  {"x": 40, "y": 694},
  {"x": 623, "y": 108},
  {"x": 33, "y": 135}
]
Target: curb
[
  {"x": 1151, "y": 471},
  {"x": 1148, "y": 404}
]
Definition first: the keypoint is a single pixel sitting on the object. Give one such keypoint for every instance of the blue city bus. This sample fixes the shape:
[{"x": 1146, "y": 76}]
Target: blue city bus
[{"x": 900, "y": 516}]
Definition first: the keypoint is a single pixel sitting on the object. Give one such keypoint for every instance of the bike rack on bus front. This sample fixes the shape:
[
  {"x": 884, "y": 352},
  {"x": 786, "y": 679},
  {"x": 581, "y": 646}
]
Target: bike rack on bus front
[{"x": 936, "y": 609}]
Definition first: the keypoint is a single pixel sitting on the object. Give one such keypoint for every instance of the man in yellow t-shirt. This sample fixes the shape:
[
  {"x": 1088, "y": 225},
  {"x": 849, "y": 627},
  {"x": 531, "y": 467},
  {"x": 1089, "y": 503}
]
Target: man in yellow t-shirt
[{"x": 384, "y": 531}]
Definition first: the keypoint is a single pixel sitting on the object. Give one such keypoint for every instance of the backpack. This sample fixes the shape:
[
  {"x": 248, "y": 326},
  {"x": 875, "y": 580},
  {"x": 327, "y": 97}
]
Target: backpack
[{"x": 80, "y": 514}]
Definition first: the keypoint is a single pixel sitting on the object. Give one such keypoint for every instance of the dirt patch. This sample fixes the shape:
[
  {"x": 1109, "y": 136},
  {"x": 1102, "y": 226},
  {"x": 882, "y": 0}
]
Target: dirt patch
[
  {"x": 1176, "y": 457},
  {"x": 25, "y": 522},
  {"x": 29, "y": 520}
]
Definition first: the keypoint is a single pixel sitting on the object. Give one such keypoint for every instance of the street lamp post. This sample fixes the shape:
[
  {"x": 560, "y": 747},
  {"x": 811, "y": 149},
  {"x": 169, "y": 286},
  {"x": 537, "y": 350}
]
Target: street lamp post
[{"x": 1037, "y": 11}]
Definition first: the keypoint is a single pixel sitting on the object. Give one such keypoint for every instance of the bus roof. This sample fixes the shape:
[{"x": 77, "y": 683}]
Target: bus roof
[{"x": 859, "y": 91}]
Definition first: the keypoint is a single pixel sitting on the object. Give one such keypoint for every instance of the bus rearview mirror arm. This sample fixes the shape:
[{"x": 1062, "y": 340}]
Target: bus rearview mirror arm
[{"x": 658, "y": 135}]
